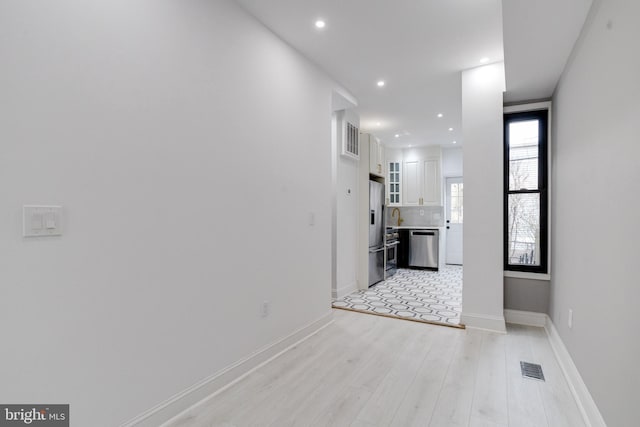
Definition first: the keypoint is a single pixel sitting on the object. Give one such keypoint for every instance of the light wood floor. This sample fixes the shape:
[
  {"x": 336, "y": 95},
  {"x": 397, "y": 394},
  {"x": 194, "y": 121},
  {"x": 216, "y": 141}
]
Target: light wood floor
[{"x": 366, "y": 370}]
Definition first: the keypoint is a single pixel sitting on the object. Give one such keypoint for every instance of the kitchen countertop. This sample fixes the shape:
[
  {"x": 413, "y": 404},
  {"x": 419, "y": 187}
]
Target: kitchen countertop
[{"x": 416, "y": 227}]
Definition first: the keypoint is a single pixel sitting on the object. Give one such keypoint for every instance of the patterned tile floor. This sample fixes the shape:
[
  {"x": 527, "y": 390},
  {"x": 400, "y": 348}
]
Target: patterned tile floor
[{"x": 422, "y": 295}]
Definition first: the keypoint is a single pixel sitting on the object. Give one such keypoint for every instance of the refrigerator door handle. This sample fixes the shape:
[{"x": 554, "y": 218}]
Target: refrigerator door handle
[
  {"x": 373, "y": 217},
  {"x": 373, "y": 251}
]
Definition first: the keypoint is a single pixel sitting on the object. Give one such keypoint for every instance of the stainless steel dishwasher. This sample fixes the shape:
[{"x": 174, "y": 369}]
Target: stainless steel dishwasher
[{"x": 423, "y": 248}]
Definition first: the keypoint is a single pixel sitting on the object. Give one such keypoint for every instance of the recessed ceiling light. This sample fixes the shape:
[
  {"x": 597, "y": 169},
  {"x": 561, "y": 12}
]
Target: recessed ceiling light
[
  {"x": 377, "y": 123},
  {"x": 380, "y": 83},
  {"x": 484, "y": 60},
  {"x": 440, "y": 115},
  {"x": 450, "y": 129},
  {"x": 409, "y": 145},
  {"x": 454, "y": 142},
  {"x": 397, "y": 135},
  {"x": 320, "y": 24}
]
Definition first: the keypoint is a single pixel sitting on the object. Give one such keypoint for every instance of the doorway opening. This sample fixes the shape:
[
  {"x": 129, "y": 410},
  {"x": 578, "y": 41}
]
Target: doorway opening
[{"x": 454, "y": 212}]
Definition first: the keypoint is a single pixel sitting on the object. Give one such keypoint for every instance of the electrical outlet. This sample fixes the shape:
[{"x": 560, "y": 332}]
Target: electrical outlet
[
  {"x": 265, "y": 309},
  {"x": 570, "y": 319},
  {"x": 421, "y": 212}
]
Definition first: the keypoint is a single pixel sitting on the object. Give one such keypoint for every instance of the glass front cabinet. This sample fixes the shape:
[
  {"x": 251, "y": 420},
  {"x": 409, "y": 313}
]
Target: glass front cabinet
[{"x": 393, "y": 184}]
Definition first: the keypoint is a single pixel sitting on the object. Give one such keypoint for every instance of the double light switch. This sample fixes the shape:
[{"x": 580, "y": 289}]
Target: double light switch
[{"x": 42, "y": 221}]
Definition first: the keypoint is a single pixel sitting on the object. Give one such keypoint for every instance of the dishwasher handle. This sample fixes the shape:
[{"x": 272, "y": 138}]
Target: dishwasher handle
[{"x": 423, "y": 233}]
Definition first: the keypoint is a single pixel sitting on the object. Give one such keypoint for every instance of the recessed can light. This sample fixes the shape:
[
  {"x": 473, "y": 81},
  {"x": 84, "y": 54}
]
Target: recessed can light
[
  {"x": 454, "y": 142},
  {"x": 320, "y": 24},
  {"x": 450, "y": 129},
  {"x": 397, "y": 135},
  {"x": 380, "y": 83},
  {"x": 484, "y": 60},
  {"x": 440, "y": 115}
]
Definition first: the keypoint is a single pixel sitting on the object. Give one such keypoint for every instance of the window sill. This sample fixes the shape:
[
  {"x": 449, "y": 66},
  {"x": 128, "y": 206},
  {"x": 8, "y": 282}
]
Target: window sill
[{"x": 525, "y": 275}]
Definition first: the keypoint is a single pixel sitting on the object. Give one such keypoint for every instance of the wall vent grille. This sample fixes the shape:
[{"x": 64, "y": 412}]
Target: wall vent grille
[{"x": 351, "y": 145}]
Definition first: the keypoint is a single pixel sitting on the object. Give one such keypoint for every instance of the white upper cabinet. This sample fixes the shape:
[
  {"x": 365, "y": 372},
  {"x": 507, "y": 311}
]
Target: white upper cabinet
[
  {"x": 412, "y": 183},
  {"x": 394, "y": 186},
  {"x": 422, "y": 177},
  {"x": 376, "y": 154},
  {"x": 432, "y": 183}
]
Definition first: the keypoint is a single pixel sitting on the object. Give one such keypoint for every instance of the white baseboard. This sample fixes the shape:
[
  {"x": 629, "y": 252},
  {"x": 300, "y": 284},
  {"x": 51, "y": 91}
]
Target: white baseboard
[
  {"x": 484, "y": 322},
  {"x": 344, "y": 290},
  {"x": 587, "y": 406},
  {"x": 528, "y": 318},
  {"x": 174, "y": 406}
]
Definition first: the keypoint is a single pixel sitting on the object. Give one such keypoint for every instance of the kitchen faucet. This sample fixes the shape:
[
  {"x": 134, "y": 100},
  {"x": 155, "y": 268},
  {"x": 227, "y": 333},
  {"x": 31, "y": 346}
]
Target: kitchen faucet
[{"x": 393, "y": 213}]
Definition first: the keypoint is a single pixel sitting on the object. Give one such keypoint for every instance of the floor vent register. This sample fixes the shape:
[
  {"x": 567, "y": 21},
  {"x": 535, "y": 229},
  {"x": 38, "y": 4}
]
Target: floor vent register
[{"x": 531, "y": 370}]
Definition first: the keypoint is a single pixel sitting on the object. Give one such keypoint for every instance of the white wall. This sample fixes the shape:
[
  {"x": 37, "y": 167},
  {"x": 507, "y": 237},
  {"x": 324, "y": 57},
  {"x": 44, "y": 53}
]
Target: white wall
[
  {"x": 482, "y": 295},
  {"x": 452, "y": 162},
  {"x": 596, "y": 208},
  {"x": 347, "y": 216},
  {"x": 188, "y": 146}
]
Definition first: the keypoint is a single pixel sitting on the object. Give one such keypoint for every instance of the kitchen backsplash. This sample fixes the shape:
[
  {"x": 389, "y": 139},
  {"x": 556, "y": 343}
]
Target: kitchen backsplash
[{"x": 417, "y": 216}]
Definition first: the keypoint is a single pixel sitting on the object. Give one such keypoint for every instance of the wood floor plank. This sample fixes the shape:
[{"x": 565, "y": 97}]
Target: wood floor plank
[
  {"x": 381, "y": 346},
  {"x": 365, "y": 371},
  {"x": 420, "y": 399},
  {"x": 490, "y": 395},
  {"x": 524, "y": 401},
  {"x": 389, "y": 394},
  {"x": 453, "y": 407},
  {"x": 560, "y": 406}
]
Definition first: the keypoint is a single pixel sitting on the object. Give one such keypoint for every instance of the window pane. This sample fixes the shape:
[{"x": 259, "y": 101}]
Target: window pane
[
  {"x": 524, "y": 229},
  {"x": 523, "y": 155}
]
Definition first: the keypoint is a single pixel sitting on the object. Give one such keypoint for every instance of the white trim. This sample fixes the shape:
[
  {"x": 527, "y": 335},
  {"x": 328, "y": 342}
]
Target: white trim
[
  {"x": 527, "y": 275},
  {"x": 210, "y": 386},
  {"x": 484, "y": 322},
  {"x": 528, "y": 318},
  {"x": 587, "y": 406},
  {"x": 345, "y": 290},
  {"x": 532, "y": 106},
  {"x": 536, "y": 106}
]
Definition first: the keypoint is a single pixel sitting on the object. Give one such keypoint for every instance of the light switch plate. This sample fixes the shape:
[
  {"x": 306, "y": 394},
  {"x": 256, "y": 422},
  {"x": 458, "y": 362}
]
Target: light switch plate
[{"x": 41, "y": 221}]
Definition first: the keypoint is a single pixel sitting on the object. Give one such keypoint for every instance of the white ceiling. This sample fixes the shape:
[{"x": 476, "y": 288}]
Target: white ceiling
[
  {"x": 538, "y": 38},
  {"x": 419, "y": 48}
]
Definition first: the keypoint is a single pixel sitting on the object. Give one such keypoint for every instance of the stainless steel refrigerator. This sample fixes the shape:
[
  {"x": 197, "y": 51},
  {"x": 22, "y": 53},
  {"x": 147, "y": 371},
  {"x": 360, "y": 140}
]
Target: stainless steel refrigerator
[{"x": 376, "y": 232}]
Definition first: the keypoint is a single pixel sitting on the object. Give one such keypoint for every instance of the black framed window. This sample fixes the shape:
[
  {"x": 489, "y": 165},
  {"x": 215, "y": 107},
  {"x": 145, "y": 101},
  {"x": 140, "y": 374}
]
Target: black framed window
[{"x": 526, "y": 191}]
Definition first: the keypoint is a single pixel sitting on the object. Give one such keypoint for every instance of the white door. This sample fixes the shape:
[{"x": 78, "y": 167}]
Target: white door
[{"x": 454, "y": 203}]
